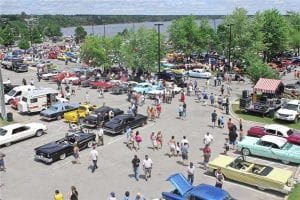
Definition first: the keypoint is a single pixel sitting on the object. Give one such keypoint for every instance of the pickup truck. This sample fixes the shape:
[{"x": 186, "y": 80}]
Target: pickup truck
[
  {"x": 289, "y": 112},
  {"x": 79, "y": 114},
  {"x": 19, "y": 66}
]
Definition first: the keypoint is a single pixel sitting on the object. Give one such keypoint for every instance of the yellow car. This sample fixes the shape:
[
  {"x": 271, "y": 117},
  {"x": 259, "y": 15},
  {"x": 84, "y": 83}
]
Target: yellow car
[
  {"x": 79, "y": 114},
  {"x": 178, "y": 71},
  {"x": 261, "y": 176}
]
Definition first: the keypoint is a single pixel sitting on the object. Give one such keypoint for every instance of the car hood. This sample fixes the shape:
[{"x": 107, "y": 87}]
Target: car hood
[
  {"x": 47, "y": 112},
  {"x": 221, "y": 161},
  {"x": 286, "y": 111},
  {"x": 51, "y": 147},
  {"x": 282, "y": 175},
  {"x": 91, "y": 118},
  {"x": 111, "y": 125},
  {"x": 180, "y": 183}
]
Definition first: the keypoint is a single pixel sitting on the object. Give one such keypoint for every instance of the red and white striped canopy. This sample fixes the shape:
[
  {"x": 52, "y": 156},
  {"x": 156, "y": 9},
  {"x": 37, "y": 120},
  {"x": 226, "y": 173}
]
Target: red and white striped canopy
[{"x": 266, "y": 85}]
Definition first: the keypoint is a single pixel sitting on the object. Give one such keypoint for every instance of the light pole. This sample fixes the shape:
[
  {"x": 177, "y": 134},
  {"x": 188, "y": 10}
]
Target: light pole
[
  {"x": 2, "y": 102},
  {"x": 229, "y": 45},
  {"x": 158, "y": 45}
]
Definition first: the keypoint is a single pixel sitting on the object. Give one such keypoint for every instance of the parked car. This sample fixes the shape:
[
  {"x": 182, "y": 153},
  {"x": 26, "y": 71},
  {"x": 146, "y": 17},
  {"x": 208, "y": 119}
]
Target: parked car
[
  {"x": 19, "y": 66},
  {"x": 199, "y": 73},
  {"x": 80, "y": 113},
  {"x": 48, "y": 76},
  {"x": 275, "y": 129},
  {"x": 166, "y": 75},
  {"x": 56, "y": 111},
  {"x": 118, "y": 124},
  {"x": 15, "y": 132},
  {"x": 69, "y": 80},
  {"x": 185, "y": 190},
  {"x": 101, "y": 84},
  {"x": 251, "y": 173},
  {"x": 289, "y": 112},
  {"x": 271, "y": 147},
  {"x": 144, "y": 88},
  {"x": 60, "y": 149},
  {"x": 293, "y": 88},
  {"x": 92, "y": 119}
]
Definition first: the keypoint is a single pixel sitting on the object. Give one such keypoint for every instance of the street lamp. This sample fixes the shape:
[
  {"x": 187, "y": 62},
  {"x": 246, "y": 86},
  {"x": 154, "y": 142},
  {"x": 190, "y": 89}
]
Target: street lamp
[
  {"x": 158, "y": 45},
  {"x": 229, "y": 45}
]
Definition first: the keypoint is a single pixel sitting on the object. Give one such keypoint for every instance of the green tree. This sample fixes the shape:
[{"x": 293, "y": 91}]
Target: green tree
[
  {"x": 52, "y": 30},
  {"x": 257, "y": 69},
  {"x": 36, "y": 36},
  {"x": 139, "y": 51},
  {"x": 80, "y": 34},
  {"x": 294, "y": 31},
  {"x": 24, "y": 43},
  {"x": 7, "y": 36}
]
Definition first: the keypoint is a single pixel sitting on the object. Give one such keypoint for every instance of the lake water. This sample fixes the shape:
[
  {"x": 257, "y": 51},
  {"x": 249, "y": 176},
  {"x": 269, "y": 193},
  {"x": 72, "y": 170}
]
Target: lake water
[{"x": 113, "y": 29}]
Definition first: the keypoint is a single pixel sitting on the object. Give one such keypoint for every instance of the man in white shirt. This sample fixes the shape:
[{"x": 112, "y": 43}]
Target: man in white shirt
[
  {"x": 208, "y": 139},
  {"x": 184, "y": 140},
  {"x": 94, "y": 158},
  {"x": 99, "y": 136},
  {"x": 190, "y": 171},
  {"x": 147, "y": 164}
]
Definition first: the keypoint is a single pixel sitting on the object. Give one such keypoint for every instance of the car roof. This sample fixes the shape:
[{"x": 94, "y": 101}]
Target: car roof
[
  {"x": 279, "y": 141},
  {"x": 12, "y": 126},
  {"x": 205, "y": 191},
  {"x": 279, "y": 127}
]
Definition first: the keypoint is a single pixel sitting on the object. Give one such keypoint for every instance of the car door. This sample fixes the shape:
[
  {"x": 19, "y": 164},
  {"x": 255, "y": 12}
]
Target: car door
[
  {"x": 20, "y": 133},
  {"x": 262, "y": 148}
]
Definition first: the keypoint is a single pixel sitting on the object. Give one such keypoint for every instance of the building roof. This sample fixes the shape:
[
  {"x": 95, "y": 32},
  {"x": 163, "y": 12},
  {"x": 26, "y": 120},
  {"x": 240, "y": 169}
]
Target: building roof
[{"x": 266, "y": 85}]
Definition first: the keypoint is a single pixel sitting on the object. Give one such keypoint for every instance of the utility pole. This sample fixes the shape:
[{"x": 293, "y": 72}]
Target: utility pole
[
  {"x": 2, "y": 102},
  {"x": 229, "y": 46},
  {"x": 158, "y": 45}
]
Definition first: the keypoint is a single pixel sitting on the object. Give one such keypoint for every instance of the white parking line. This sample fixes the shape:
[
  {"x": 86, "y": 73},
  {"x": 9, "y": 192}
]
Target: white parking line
[
  {"x": 62, "y": 164},
  {"x": 245, "y": 187}
]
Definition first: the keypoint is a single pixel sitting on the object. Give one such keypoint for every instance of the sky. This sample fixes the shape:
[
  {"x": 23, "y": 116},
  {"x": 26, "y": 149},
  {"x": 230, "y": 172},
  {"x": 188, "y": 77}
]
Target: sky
[{"x": 144, "y": 7}]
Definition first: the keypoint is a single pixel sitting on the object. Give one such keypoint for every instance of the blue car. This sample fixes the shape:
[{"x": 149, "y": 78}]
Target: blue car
[
  {"x": 56, "y": 111},
  {"x": 144, "y": 88},
  {"x": 185, "y": 191}
]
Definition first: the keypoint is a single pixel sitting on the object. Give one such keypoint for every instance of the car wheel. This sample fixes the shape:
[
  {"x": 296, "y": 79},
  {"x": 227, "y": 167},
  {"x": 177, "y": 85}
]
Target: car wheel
[
  {"x": 245, "y": 152},
  {"x": 90, "y": 144},
  {"x": 39, "y": 133},
  {"x": 285, "y": 162},
  {"x": 9, "y": 101},
  {"x": 62, "y": 156},
  {"x": 296, "y": 120},
  {"x": 8, "y": 144},
  {"x": 58, "y": 117}
]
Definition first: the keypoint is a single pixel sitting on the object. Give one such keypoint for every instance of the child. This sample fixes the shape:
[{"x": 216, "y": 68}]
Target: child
[
  {"x": 221, "y": 122},
  {"x": 177, "y": 148},
  {"x": 242, "y": 136},
  {"x": 226, "y": 146}
]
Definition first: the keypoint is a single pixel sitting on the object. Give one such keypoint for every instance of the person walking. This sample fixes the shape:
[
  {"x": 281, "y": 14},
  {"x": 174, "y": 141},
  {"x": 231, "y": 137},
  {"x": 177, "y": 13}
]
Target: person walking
[
  {"x": 127, "y": 194},
  {"x": 24, "y": 81},
  {"x": 240, "y": 124},
  {"x": 212, "y": 99},
  {"x": 159, "y": 139},
  {"x": 58, "y": 195},
  {"x": 138, "y": 140},
  {"x": 180, "y": 110},
  {"x": 222, "y": 89},
  {"x": 135, "y": 166},
  {"x": 190, "y": 172},
  {"x": 94, "y": 158},
  {"x": 172, "y": 145},
  {"x": 214, "y": 116},
  {"x": 74, "y": 193},
  {"x": 184, "y": 110},
  {"x": 76, "y": 153},
  {"x": 208, "y": 139},
  {"x": 87, "y": 98},
  {"x": 112, "y": 196},
  {"x": 100, "y": 136},
  {"x": 226, "y": 146},
  {"x": 219, "y": 178},
  {"x": 184, "y": 153},
  {"x": 147, "y": 165},
  {"x": 153, "y": 141},
  {"x": 158, "y": 110},
  {"x": 32, "y": 82},
  {"x": 139, "y": 197},
  {"x": 2, "y": 165},
  {"x": 233, "y": 136},
  {"x": 206, "y": 156}
]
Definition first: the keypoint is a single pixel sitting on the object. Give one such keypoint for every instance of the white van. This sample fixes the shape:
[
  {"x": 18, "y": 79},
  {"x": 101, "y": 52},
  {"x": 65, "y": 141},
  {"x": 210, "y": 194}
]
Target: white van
[
  {"x": 17, "y": 92},
  {"x": 37, "y": 100}
]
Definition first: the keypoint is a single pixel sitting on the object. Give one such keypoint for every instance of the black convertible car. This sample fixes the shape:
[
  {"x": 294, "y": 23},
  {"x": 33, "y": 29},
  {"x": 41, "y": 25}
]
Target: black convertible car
[
  {"x": 62, "y": 148},
  {"x": 91, "y": 120},
  {"x": 119, "y": 123}
]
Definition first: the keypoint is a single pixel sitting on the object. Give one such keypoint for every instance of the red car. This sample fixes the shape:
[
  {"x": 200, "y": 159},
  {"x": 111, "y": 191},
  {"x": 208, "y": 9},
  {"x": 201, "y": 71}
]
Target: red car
[
  {"x": 101, "y": 84},
  {"x": 61, "y": 76},
  {"x": 275, "y": 129}
]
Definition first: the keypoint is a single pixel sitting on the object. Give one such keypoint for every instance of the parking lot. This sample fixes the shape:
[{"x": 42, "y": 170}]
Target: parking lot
[{"x": 28, "y": 179}]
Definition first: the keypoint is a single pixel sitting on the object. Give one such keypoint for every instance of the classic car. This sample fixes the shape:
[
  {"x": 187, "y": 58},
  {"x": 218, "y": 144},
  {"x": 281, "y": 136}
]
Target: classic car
[
  {"x": 92, "y": 119},
  {"x": 101, "y": 84},
  {"x": 178, "y": 71},
  {"x": 143, "y": 88},
  {"x": 8, "y": 87},
  {"x": 47, "y": 76},
  {"x": 292, "y": 88},
  {"x": 79, "y": 114},
  {"x": 199, "y": 73},
  {"x": 60, "y": 149},
  {"x": 69, "y": 80},
  {"x": 15, "y": 132},
  {"x": 86, "y": 82},
  {"x": 56, "y": 111},
  {"x": 275, "y": 129},
  {"x": 271, "y": 147},
  {"x": 261, "y": 176},
  {"x": 185, "y": 190},
  {"x": 289, "y": 112},
  {"x": 61, "y": 76},
  {"x": 157, "y": 91},
  {"x": 119, "y": 123},
  {"x": 166, "y": 75}
]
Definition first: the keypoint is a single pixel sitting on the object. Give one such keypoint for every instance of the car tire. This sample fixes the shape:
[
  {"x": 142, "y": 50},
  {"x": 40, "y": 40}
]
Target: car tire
[
  {"x": 39, "y": 133},
  {"x": 9, "y": 101},
  {"x": 59, "y": 117},
  {"x": 7, "y": 144},
  {"x": 296, "y": 120},
  {"x": 90, "y": 144},
  {"x": 246, "y": 152},
  {"x": 62, "y": 156},
  {"x": 286, "y": 162}
]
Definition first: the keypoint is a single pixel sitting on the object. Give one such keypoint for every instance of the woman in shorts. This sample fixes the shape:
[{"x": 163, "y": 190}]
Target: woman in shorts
[{"x": 172, "y": 144}]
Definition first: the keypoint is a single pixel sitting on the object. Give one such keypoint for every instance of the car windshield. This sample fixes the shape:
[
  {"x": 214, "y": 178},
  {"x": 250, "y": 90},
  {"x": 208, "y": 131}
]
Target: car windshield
[
  {"x": 2, "y": 131},
  {"x": 287, "y": 146},
  {"x": 53, "y": 108},
  {"x": 12, "y": 93},
  {"x": 291, "y": 107}
]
